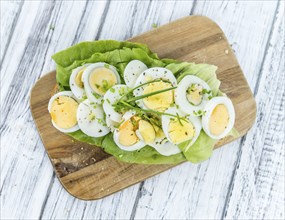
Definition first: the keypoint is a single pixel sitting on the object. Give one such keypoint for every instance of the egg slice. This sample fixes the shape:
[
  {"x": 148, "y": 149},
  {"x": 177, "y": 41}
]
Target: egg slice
[
  {"x": 178, "y": 131},
  {"x": 62, "y": 108},
  {"x": 110, "y": 98},
  {"x": 76, "y": 83},
  {"x": 132, "y": 72},
  {"x": 112, "y": 125},
  {"x": 164, "y": 79},
  {"x": 125, "y": 136},
  {"x": 192, "y": 94},
  {"x": 91, "y": 120},
  {"x": 153, "y": 136},
  {"x": 97, "y": 79},
  {"x": 219, "y": 117},
  {"x": 163, "y": 145}
]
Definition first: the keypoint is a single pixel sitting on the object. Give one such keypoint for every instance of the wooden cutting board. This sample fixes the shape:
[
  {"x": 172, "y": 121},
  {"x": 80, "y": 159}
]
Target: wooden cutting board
[{"x": 86, "y": 171}]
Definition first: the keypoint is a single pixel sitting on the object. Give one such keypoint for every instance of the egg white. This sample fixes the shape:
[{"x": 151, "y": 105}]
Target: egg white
[
  {"x": 85, "y": 78},
  {"x": 181, "y": 98},
  {"x": 153, "y": 73},
  {"x": 162, "y": 145},
  {"x": 140, "y": 144},
  {"x": 165, "y": 147},
  {"x": 196, "y": 122},
  {"x": 132, "y": 72},
  {"x": 110, "y": 98},
  {"x": 78, "y": 92},
  {"x": 68, "y": 94},
  {"x": 210, "y": 106},
  {"x": 93, "y": 128},
  {"x": 111, "y": 124}
]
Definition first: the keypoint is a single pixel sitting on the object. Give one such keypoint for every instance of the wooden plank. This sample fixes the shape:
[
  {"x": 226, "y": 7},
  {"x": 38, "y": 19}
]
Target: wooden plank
[
  {"x": 192, "y": 191},
  {"x": 258, "y": 189}
]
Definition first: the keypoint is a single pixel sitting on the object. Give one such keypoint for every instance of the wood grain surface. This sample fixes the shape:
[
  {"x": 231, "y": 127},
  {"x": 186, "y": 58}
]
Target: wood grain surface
[
  {"x": 86, "y": 171},
  {"x": 243, "y": 180}
]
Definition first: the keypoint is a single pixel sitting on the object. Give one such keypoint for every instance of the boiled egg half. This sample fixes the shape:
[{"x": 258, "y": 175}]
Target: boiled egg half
[
  {"x": 62, "y": 108},
  {"x": 153, "y": 80},
  {"x": 97, "y": 79},
  {"x": 183, "y": 129},
  {"x": 192, "y": 94},
  {"x": 125, "y": 136},
  {"x": 76, "y": 83},
  {"x": 162, "y": 144},
  {"x": 219, "y": 117}
]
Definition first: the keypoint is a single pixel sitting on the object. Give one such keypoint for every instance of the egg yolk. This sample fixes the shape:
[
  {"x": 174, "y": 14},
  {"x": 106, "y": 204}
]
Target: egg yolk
[
  {"x": 78, "y": 78},
  {"x": 101, "y": 79},
  {"x": 160, "y": 101},
  {"x": 63, "y": 112},
  {"x": 180, "y": 131},
  {"x": 158, "y": 132},
  {"x": 147, "y": 131},
  {"x": 219, "y": 119},
  {"x": 194, "y": 94},
  {"x": 127, "y": 134}
]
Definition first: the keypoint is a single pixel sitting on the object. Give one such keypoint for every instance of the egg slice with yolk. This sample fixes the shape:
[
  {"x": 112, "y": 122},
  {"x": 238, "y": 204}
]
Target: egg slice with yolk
[
  {"x": 162, "y": 145},
  {"x": 219, "y": 117},
  {"x": 125, "y": 136},
  {"x": 180, "y": 130},
  {"x": 76, "y": 83},
  {"x": 161, "y": 101},
  {"x": 192, "y": 94},
  {"x": 63, "y": 108},
  {"x": 153, "y": 80},
  {"x": 97, "y": 79}
]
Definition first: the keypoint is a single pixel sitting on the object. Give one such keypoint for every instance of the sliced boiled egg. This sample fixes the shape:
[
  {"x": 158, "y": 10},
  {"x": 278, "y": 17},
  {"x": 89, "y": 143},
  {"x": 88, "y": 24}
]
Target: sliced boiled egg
[
  {"x": 91, "y": 120},
  {"x": 76, "y": 83},
  {"x": 219, "y": 117},
  {"x": 183, "y": 129},
  {"x": 163, "y": 145},
  {"x": 153, "y": 80},
  {"x": 110, "y": 98},
  {"x": 62, "y": 108},
  {"x": 192, "y": 94},
  {"x": 132, "y": 72},
  {"x": 112, "y": 125},
  {"x": 97, "y": 79},
  {"x": 125, "y": 136}
]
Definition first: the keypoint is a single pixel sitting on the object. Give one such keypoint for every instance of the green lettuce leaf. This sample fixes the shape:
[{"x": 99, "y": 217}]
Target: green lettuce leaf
[
  {"x": 85, "y": 50},
  {"x": 201, "y": 150},
  {"x": 146, "y": 155}
]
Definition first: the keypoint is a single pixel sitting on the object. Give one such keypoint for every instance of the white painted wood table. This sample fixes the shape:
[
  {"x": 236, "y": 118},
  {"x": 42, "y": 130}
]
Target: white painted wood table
[{"x": 243, "y": 180}]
